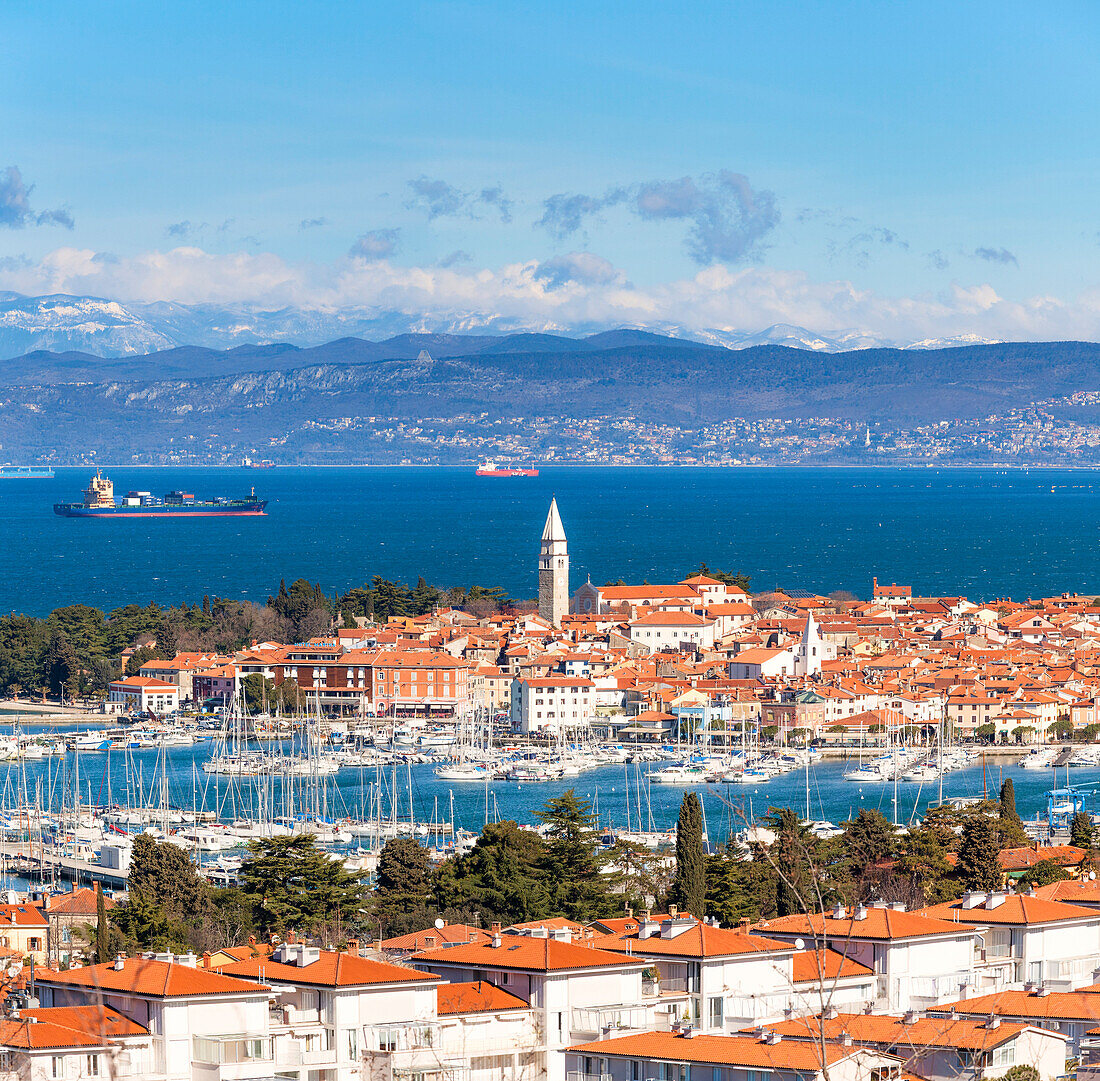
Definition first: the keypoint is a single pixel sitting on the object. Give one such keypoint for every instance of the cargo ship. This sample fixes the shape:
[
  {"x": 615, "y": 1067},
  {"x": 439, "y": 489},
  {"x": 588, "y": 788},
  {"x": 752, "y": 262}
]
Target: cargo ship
[
  {"x": 491, "y": 469},
  {"x": 26, "y": 472},
  {"x": 99, "y": 502}
]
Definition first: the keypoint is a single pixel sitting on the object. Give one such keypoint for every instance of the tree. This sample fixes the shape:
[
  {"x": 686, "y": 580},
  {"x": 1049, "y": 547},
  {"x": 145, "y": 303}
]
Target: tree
[
  {"x": 867, "y": 842},
  {"x": 1062, "y": 728},
  {"x": 1042, "y": 873},
  {"x": 740, "y": 888},
  {"x": 260, "y": 693},
  {"x": 502, "y": 879},
  {"x": 1022, "y": 1072},
  {"x": 978, "y": 866},
  {"x": 572, "y": 862},
  {"x": 924, "y": 859},
  {"x": 987, "y": 732},
  {"x": 139, "y": 658},
  {"x": 403, "y": 887},
  {"x": 1013, "y": 834},
  {"x": 61, "y": 666},
  {"x": 293, "y": 885},
  {"x": 23, "y": 642},
  {"x": 1081, "y": 831},
  {"x": 164, "y": 873},
  {"x": 797, "y": 858},
  {"x": 689, "y": 885}
]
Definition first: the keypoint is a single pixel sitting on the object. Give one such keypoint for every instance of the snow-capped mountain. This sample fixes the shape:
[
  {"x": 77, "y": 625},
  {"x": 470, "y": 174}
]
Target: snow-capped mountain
[{"x": 109, "y": 328}]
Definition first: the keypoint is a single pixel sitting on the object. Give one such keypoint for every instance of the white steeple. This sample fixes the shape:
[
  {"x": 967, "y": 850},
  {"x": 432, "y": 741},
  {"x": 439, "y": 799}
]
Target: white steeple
[
  {"x": 553, "y": 569},
  {"x": 807, "y": 661}
]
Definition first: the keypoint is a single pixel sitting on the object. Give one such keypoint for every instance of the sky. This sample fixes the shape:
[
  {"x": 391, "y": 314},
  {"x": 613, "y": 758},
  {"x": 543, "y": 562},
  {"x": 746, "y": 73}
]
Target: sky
[{"x": 901, "y": 170}]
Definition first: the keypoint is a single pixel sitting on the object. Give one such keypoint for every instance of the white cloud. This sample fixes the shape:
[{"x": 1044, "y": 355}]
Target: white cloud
[{"x": 579, "y": 291}]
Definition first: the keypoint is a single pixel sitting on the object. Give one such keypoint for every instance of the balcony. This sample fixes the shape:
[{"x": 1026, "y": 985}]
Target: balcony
[
  {"x": 608, "y": 1019},
  {"x": 231, "y": 1050}
]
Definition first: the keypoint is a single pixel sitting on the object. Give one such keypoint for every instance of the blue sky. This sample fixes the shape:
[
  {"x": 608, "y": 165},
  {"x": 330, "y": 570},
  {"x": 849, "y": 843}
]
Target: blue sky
[{"x": 899, "y": 169}]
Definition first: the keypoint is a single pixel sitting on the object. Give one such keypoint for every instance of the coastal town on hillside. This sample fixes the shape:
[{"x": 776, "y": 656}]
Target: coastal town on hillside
[
  {"x": 963, "y": 946},
  {"x": 1056, "y": 432}
]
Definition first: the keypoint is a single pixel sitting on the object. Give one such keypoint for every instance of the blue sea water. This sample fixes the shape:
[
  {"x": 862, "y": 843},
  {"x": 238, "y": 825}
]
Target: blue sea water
[
  {"x": 982, "y": 533},
  {"x": 621, "y": 795}
]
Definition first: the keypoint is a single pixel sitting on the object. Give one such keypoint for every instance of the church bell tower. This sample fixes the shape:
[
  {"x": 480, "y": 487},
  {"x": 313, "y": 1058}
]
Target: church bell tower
[{"x": 553, "y": 569}]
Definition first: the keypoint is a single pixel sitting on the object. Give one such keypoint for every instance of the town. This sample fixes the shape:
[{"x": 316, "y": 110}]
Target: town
[
  {"x": 966, "y": 944},
  {"x": 1058, "y": 432}
]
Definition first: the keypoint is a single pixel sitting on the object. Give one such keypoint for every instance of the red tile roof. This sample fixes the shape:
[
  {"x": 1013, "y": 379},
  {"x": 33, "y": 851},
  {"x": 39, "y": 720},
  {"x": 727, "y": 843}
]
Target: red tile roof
[
  {"x": 719, "y": 1050},
  {"x": 480, "y": 997},
  {"x": 151, "y": 978},
  {"x": 1059, "y": 1005},
  {"x": 520, "y": 952},
  {"x": 810, "y": 966},
  {"x": 1016, "y": 908},
  {"x": 448, "y": 933},
  {"x": 964, "y": 1033},
  {"x": 883, "y": 924},
  {"x": 699, "y": 940},
  {"x": 331, "y": 969}
]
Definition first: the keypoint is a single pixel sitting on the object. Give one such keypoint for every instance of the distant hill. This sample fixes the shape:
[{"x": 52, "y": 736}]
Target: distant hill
[{"x": 132, "y": 404}]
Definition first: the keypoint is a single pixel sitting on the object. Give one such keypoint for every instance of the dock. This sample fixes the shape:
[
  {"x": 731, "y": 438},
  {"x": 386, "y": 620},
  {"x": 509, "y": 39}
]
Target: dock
[{"x": 42, "y": 864}]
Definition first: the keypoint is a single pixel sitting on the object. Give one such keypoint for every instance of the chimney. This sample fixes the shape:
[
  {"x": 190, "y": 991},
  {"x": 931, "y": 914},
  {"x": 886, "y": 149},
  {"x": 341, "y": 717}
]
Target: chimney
[
  {"x": 495, "y": 943},
  {"x": 252, "y": 941},
  {"x": 993, "y": 1022},
  {"x": 830, "y": 1013},
  {"x": 205, "y": 959},
  {"x": 861, "y": 912},
  {"x": 838, "y": 911},
  {"x": 845, "y": 1039},
  {"x": 120, "y": 963},
  {"x": 429, "y": 943},
  {"x": 353, "y": 947},
  {"x": 292, "y": 937},
  {"x": 495, "y": 928},
  {"x": 673, "y": 911}
]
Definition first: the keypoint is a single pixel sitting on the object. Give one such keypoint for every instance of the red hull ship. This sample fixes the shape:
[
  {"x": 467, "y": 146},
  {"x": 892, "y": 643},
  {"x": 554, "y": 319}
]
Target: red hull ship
[{"x": 491, "y": 469}]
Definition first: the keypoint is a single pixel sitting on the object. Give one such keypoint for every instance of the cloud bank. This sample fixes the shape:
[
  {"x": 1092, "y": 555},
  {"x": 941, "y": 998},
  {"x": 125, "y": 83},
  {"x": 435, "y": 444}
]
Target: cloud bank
[{"x": 576, "y": 291}]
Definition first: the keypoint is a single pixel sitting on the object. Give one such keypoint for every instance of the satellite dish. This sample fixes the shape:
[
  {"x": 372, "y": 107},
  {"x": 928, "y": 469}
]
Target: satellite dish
[
  {"x": 1092, "y": 876},
  {"x": 14, "y": 970},
  {"x": 799, "y": 944},
  {"x": 439, "y": 924}
]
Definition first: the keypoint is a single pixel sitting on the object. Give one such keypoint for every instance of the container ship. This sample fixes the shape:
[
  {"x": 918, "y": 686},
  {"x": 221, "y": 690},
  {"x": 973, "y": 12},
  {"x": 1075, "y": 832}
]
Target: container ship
[
  {"x": 99, "y": 502},
  {"x": 491, "y": 469},
  {"x": 26, "y": 472}
]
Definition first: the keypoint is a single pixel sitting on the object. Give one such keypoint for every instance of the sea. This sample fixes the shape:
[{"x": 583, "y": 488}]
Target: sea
[
  {"x": 984, "y": 534},
  {"x": 621, "y": 796}
]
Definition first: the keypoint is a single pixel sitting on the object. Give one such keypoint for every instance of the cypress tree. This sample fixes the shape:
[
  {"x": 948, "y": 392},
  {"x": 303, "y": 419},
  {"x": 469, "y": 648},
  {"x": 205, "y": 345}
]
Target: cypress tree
[
  {"x": 978, "y": 866},
  {"x": 101, "y": 933},
  {"x": 689, "y": 885},
  {"x": 1012, "y": 829}
]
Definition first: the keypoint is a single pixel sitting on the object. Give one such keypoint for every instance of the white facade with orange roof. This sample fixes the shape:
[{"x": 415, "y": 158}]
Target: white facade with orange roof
[
  {"x": 552, "y": 703},
  {"x": 141, "y": 694}
]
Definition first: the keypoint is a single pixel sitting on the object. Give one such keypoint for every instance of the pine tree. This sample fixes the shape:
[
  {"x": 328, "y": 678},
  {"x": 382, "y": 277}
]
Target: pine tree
[
  {"x": 61, "y": 664},
  {"x": 689, "y": 886},
  {"x": 577, "y": 888},
  {"x": 1081, "y": 832},
  {"x": 978, "y": 866}
]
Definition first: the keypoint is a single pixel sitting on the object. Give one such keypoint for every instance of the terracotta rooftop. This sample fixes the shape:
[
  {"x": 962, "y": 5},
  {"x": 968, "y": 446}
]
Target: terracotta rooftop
[
  {"x": 150, "y": 978},
  {"x": 1011, "y": 908},
  {"x": 331, "y": 969},
  {"x": 884, "y": 924},
  {"x": 520, "y": 952},
  {"x": 479, "y": 997}
]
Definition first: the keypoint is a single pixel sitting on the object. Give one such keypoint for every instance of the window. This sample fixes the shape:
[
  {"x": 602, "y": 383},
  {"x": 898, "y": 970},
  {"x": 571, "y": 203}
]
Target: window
[
  {"x": 351, "y": 1043},
  {"x": 1005, "y": 1055},
  {"x": 57, "y": 1066},
  {"x": 93, "y": 1066},
  {"x": 716, "y": 1018}
]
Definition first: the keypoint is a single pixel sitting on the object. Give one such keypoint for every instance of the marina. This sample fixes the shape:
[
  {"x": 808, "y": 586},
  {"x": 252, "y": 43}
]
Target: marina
[{"x": 71, "y": 801}]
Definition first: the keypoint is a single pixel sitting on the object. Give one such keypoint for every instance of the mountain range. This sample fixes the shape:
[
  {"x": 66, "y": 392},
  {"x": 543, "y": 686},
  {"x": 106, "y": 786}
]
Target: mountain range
[{"x": 108, "y": 328}]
